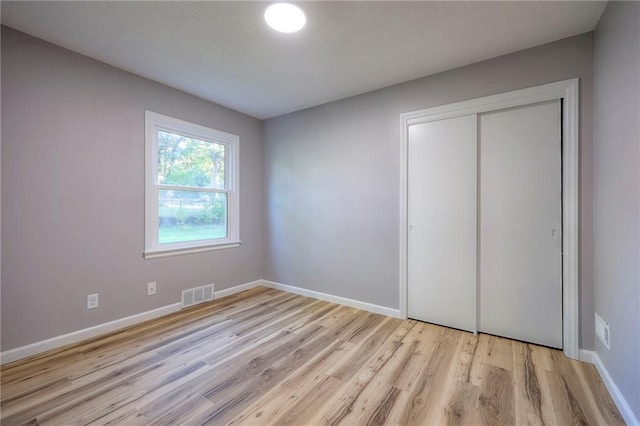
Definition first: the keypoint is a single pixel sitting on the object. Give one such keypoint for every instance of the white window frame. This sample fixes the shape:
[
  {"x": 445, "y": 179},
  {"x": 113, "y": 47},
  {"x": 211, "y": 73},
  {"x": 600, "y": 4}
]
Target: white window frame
[{"x": 155, "y": 122}]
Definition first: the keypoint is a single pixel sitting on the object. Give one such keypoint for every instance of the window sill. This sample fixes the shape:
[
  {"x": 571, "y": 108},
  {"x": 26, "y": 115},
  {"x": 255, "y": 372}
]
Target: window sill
[{"x": 154, "y": 254}]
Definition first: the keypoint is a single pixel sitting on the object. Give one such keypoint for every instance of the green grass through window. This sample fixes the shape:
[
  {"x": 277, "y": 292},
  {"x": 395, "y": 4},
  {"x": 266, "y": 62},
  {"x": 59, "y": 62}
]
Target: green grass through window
[{"x": 180, "y": 233}]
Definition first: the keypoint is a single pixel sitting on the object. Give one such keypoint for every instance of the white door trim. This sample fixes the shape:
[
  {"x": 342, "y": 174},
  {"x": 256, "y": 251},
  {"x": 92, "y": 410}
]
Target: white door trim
[{"x": 566, "y": 90}]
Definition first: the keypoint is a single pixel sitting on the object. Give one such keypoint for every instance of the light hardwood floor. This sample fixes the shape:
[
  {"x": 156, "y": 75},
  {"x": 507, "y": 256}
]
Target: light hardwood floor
[{"x": 268, "y": 357}]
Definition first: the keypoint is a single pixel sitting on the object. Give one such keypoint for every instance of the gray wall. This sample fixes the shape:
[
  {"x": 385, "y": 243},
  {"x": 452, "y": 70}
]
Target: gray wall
[
  {"x": 617, "y": 192},
  {"x": 73, "y": 193},
  {"x": 331, "y": 176},
  {"x": 73, "y": 186}
]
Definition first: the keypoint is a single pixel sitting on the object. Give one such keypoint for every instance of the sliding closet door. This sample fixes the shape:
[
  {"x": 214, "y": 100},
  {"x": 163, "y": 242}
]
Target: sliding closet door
[
  {"x": 442, "y": 201},
  {"x": 520, "y": 223}
]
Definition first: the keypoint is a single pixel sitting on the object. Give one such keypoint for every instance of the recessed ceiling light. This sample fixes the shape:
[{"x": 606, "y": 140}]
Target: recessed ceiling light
[{"x": 285, "y": 17}]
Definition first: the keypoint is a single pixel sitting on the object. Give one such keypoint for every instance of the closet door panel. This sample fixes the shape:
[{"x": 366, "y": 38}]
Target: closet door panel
[
  {"x": 520, "y": 223},
  {"x": 442, "y": 211}
]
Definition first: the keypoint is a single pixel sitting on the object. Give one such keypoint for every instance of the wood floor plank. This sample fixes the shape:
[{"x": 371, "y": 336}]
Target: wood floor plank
[
  {"x": 496, "y": 397},
  {"x": 576, "y": 392},
  {"x": 268, "y": 357},
  {"x": 426, "y": 389},
  {"x": 460, "y": 407},
  {"x": 605, "y": 405},
  {"x": 541, "y": 357},
  {"x": 499, "y": 352},
  {"x": 152, "y": 383},
  {"x": 282, "y": 398},
  {"x": 353, "y": 404},
  {"x": 365, "y": 387},
  {"x": 565, "y": 407},
  {"x": 230, "y": 401},
  {"x": 407, "y": 371},
  {"x": 402, "y": 331},
  {"x": 360, "y": 327},
  {"x": 305, "y": 405},
  {"x": 300, "y": 383},
  {"x": 361, "y": 353},
  {"x": 528, "y": 392},
  {"x": 173, "y": 407},
  {"x": 311, "y": 314},
  {"x": 339, "y": 318},
  {"x": 479, "y": 360},
  {"x": 548, "y": 411},
  {"x": 380, "y": 414},
  {"x": 465, "y": 353},
  {"x": 457, "y": 395},
  {"x": 28, "y": 402}
]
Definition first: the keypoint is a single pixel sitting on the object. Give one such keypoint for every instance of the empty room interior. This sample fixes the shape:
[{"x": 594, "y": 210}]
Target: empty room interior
[{"x": 309, "y": 213}]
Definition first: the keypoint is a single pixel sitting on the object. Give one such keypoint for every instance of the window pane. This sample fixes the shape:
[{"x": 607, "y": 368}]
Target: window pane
[
  {"x": 185, "y": 161},
  {"x": 191, "y": 216}
]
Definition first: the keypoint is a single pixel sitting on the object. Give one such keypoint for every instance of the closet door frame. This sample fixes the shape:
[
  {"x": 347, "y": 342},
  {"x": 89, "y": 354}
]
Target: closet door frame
[{"x": 567, "y": 91}]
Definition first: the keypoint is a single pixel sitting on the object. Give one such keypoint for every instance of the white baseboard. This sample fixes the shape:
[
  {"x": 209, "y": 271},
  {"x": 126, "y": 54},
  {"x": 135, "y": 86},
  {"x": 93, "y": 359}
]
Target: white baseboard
[
  {"x": 622, "y": 404},
  {"x": 77, "y": 336},
  {"x": 237, "y": 289},
  {"x": 586, "y": 356},
  {"x": 87, "y": 333},
  {"x": 365, "y": 306}
]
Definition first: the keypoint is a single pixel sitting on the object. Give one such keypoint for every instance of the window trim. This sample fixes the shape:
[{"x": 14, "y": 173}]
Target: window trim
[{"x": 155, "y": 122}]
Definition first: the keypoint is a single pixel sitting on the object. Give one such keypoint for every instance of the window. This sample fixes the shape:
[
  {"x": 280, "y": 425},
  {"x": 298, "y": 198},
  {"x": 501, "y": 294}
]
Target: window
[{"x": 191, "y": 196}]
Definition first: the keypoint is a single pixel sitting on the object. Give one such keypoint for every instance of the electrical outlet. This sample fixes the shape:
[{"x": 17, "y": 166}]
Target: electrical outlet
[
  {"x": 92, "y": 301},
  {"x": 603, "y": 331},
  {"x": 151, "y": 288}
]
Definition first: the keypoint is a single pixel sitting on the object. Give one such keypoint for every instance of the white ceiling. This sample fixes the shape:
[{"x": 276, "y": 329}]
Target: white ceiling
[{"x": 225, "y": 53}]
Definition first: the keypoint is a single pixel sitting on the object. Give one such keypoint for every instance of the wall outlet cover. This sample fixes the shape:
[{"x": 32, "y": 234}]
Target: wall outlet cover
[
  {"x": 151, "y": 288},
  {"x": 603, "y": 331},
  {"x": 92, "y": 301}
]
